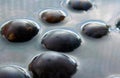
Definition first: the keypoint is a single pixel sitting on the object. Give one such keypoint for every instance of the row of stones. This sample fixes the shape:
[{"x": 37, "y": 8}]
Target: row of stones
[
  {"x": 21, "y": 30},
  {"x": 51, "y": 64},
  {"x": 62, "y": 40},
  {"x": 45, "y": 65}
]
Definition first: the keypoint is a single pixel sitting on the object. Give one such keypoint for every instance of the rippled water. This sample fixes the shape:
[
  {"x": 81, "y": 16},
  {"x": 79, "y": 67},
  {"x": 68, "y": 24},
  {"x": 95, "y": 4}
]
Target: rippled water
[{"x": 98, "y": 58}]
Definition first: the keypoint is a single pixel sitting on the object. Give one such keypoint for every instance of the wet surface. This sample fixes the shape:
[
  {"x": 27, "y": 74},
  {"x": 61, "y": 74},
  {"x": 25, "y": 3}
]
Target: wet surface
[{"x": 97, "y": 58}]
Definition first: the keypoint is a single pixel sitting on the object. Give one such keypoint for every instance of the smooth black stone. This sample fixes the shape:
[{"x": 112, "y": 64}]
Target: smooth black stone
[
  {"x": 53, "y": 16},
  {"x": 118, "y": 24},
  {"x": 80, "y": 5},
  {"x": 19, "y": 30},
  {"x": 95, "y": 29},
  {"x": 53, "y": 65},
  {"x": 13, "y": 72},
  {"x": 61, "y": 40}
]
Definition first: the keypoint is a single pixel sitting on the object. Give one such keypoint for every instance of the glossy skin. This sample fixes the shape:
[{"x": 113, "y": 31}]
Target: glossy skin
[
  {"x": 12, "y": 72},
  {"x": 52, "y": 65},
  {"x": 95, "y": 30},
  {"x": 19, "y": 30},
  {"x": 61, "y": 40},
  {"x": 80, "y": 5},
  {"x": 53, "y": 16}
]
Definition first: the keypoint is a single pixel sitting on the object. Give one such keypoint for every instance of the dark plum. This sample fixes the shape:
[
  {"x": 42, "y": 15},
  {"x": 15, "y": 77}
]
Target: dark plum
[
  {"x": 79, "y": 5},
  {"x": 95, "y": 29},
  {"x": 53, "y": 65},
  {"x": 19, "y": 30},
  {"x": 61, "y": 40},
  {"x": 52, "y": 16},
  {"x": 13, "y": 72}
]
